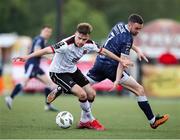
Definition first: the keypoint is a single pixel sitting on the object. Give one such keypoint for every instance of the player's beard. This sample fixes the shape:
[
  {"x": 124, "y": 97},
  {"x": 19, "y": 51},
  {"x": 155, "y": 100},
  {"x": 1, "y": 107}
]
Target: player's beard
[{"x": 134, "y": 34}]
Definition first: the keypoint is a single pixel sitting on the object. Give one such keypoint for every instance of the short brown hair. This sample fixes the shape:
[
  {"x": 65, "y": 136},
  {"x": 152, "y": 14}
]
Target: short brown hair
[
  {"x": 84, "y": 28},
  {"x": 46, "y": 26}
]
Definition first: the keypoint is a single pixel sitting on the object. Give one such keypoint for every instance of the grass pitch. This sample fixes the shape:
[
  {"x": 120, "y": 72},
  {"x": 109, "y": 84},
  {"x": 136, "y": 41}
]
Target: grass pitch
[{"x": 120, "y": 115}]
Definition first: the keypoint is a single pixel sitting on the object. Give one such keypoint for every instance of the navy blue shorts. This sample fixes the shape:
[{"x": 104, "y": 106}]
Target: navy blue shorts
[
  {"x": 31, "y": 71},
  {"x": 101, "y": 71}
]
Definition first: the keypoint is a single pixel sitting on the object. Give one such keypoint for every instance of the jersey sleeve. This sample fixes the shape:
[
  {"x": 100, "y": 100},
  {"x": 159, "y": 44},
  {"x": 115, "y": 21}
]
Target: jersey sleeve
[
  {"x": 59, "y": 47},
  {"x": 93, "y": 47},
  {"x": 38, "y": 44}
]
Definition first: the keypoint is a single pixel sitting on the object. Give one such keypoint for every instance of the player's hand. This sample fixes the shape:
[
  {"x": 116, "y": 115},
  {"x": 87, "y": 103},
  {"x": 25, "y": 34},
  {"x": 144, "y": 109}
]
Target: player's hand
[
  {"x": 127, "y": 63},
  {"x": 115, "y": 84},
  {"x": 22, "y": 59},
  {"x": 141, "y": 55}
]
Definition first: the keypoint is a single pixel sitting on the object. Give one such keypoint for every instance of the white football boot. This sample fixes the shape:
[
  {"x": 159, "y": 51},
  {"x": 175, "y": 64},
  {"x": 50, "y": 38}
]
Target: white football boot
[
  {"x": 50, "y": 107},
  {"x": 8, "y": 101}
]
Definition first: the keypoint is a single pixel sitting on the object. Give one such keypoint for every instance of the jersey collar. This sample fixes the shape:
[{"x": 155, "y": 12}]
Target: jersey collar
[{"x": 126, "y": 26}]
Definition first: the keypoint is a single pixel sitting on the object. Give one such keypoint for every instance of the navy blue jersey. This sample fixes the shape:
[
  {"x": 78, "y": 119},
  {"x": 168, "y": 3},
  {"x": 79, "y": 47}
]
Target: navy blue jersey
[
  {"x": 119, "y": 42},
  {"x": 39, "y": 42}
]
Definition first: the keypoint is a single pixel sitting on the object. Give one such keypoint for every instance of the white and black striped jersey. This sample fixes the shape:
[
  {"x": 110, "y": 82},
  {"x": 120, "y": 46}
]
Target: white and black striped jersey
[{"x": 67, "y": 54}]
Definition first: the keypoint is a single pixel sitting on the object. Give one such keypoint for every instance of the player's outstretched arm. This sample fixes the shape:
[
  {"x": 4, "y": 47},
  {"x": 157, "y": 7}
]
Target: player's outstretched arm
[
  {"x": 119, "y": 72},
  {"x": 47, "y": 50},
  {"x": 125, "y": 62},
  {"x": 139, "y": 53}
]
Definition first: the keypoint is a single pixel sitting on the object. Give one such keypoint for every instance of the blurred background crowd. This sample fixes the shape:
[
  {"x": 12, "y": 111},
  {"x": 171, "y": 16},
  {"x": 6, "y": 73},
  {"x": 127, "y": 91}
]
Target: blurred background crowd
[{"x": 21, "y": 20}]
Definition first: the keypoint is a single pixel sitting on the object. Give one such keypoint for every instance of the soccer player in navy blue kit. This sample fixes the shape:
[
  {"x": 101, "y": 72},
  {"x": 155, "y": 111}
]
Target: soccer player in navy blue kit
[
  {"x": 120, "y": 42},
  {"x": 33, "y": 70}
]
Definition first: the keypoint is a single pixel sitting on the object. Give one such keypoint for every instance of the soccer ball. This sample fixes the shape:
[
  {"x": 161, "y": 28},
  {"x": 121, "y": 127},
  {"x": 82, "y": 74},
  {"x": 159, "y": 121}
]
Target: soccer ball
[{"x": 64, "y": 119}]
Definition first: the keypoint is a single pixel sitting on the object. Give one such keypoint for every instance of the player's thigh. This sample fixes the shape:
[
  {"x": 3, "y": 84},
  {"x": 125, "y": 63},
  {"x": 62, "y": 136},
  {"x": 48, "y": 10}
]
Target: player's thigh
[
  {"x": 132, "y": 85},
  {"x": 82, "y": 82},
  {"x": 46, "y": 80},
  {"x": 79, "y": 92}
]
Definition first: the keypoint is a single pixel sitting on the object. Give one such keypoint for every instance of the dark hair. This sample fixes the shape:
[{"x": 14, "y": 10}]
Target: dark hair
[
  {"x": 84, "y": 28},
  {"x": 135, "y": 18}
]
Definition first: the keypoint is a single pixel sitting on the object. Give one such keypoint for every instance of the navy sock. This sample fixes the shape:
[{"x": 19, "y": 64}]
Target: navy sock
[
  {"x": 145, "y": 107},
  {"x": 46, "y": 92},
  {"x": 16, "y": 90}
]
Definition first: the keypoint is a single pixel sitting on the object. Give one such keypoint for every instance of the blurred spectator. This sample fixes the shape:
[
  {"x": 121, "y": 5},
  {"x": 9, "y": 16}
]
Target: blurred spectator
[{"x": 33, "y": 70}]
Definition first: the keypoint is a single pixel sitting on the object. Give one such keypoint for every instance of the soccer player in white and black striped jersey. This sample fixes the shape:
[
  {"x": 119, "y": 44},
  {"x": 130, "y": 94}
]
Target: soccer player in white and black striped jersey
[{"x": 64, "y": 72}]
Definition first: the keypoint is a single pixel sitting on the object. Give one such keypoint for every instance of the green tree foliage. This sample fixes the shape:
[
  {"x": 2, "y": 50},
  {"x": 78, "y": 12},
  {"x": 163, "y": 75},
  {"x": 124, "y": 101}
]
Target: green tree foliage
[
  {"x": 76, "y": 11},
  {"x": 119, "y": 10},
  {"x": 23, "y": 16},
  {"x": 12, "y": 16},
  {"x": 27, "y": 16}
]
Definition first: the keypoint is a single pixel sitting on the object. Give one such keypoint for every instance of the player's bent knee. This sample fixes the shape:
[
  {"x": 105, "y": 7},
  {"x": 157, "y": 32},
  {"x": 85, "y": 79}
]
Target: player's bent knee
[
  {"x": 92, "y": 95},
  {"x": 82, "y": 96},
  {"x": 141, "y": 91}
]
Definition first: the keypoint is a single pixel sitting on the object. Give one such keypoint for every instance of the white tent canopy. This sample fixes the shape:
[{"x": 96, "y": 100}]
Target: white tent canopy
[
  {"x": 7, "y": 39},
  {"x": 160, "y": 36}
]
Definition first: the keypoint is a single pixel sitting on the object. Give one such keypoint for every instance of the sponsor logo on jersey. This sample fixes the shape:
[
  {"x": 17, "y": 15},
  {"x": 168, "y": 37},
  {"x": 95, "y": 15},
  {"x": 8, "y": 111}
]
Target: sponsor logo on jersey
[
  {"x": 85, "y": 51},
  {"x": 58, "y": 45}
]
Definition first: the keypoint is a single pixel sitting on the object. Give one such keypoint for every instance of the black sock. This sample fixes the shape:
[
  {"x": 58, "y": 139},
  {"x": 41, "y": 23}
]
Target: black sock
[
  {"x": 145, "y": 107},
  {"x": 16, "y": 90},
  {"x": 46, "y": 92},
  {"x": 90, "y": 101},
  {"x": 82, "y": 101}
]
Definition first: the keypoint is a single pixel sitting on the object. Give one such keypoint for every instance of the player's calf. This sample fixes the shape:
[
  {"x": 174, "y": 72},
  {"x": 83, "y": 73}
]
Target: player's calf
[{"x": 54, "y": 94}]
